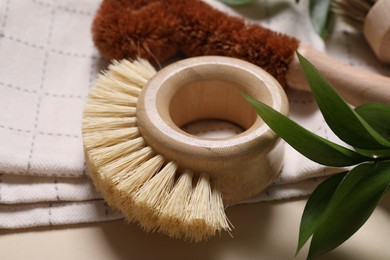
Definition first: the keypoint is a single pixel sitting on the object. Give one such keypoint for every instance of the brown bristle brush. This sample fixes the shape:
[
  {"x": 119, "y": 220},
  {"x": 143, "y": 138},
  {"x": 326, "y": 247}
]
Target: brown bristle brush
[
  {"x": 372, "y": 17},
  {"x": 158, "y": 30},
  {"x": 158, "y": 175}
]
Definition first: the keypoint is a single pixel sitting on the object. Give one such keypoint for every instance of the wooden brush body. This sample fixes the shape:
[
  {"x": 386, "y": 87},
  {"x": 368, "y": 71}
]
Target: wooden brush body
[
  {"x": 209, "y": 87},
  {"x": 158, "y": 175}
]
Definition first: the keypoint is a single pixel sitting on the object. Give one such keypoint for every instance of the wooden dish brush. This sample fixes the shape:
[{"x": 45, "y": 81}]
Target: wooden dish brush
[
  {"x": 162, "y": 177},
  {"x": 372, "y": 17},
  {"x": 158, "y": 30}
]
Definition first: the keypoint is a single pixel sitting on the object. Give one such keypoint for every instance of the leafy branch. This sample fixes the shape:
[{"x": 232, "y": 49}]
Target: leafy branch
[{"x": 341, "y": 204}]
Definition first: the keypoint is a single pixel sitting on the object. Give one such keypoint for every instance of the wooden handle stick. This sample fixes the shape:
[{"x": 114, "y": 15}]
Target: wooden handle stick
[
  {"x": 372, "y": 19},
  {"x": 355, "y": 85},
  {"x": 377, "y": 29}
]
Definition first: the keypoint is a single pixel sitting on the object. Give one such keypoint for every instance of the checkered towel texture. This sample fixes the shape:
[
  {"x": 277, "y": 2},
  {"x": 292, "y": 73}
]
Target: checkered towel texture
[{"x": 47, "y": 65}]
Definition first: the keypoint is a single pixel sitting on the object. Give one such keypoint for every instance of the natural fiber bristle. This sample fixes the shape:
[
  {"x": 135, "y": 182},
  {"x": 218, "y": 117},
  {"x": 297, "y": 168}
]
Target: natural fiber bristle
[
  {"x": 218, "y": 216},
  {"x": 95, "y": 125},
  {"x": 172, "y": 210},
  {"x": 109, "y": 81},
  {"x": 128, "y": 172},
  {"x": 151, "y": 195},
  {"x": 110, "y": 173},
  {"x": 353, "y": 12},
  {"x": 198, "y": 211},
  {"x": 137, "y": 72},
  {"x": 108, "y": 110},
  {"x": 126, "y": 183},
  {"x": 113, "y": 97},
  {"x": 126, "y": 163},
  {"x": 110, "y": 137},
  {"x": 126, "y": 29},
  {"x": 102, "y": 156},
  {"x": 131, "y": 181}
]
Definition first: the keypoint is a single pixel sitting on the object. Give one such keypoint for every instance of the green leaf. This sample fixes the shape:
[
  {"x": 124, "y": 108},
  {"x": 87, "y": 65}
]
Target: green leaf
[
  {"x": 237, "y": 2},
  {"x": 321, "y": 16},
  {"x": 315, "y": 207},
  {"x": 375, "y": 154},
  {"x": 377, "y": 116},
  {"x": 351, "y": 205},
  {"x": 309, "y": 144},
  {"x": 344, "y": 121}
]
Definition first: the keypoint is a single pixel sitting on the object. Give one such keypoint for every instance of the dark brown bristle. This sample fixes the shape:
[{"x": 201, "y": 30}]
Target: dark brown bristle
[
  {"x": 159, "y": 30},
  {"x": 127, "y": 29}
]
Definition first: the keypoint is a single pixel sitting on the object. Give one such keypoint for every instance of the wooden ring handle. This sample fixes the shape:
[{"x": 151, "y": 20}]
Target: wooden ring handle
[{"x": 209, "y": 87}]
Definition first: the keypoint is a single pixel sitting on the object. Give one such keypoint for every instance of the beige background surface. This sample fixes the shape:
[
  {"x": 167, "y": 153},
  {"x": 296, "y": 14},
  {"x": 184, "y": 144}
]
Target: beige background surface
[{"x": 262, "y": 231}]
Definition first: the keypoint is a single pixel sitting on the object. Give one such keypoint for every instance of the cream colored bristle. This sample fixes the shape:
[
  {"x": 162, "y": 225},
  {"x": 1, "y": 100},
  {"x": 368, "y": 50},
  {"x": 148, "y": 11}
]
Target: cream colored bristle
[
  {"x": 127, "y": 183},
  {"x": 152, "y": 194},
  {"x": 109, "y": 173},
  {"x": 108, "y": 110},
  {"x": 126, "y": 163},
  {"x": 172, "y": 211},
  {"x": 110, "y": 96},
  {"x": 110, "y": 81},
  {"x": 218, "y": 217},
  {"x": 197, "y": 218},
  {"x": 104, "y": 155},
  {"x": 97, "y": 124},
  {"x": 109, "y": 137},
  {"x": 130, "y": 182},
  {"x": 205, "y": 213},
  {"x": 353, "y": 12},
  {"x": 136, "y": 71},
  {"x": 140, "y": 71}
]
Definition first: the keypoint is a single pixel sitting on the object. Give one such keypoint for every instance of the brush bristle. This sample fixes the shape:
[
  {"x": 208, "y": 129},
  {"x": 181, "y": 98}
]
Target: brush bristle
[
  {"x": 94, "y": 125},
  {"x": 152, "y": 194},
  {"x": 353, "y": 12},
  {"x": 126, "y": 163},
  {"x": 218, "y": 216},
  {"x": 110, "y": 137},
  {"x": 126, "y": 29},
  {"x": 130, "y": 182},
  {"x": 172, "y": 211},
  {"x": 130, "y": 175},
  {"x": 198, "y": 217},
  {"x": 103, "y": 156},
  {"x": 108, "y": 110},
  {"x": 126, "y": 184}
]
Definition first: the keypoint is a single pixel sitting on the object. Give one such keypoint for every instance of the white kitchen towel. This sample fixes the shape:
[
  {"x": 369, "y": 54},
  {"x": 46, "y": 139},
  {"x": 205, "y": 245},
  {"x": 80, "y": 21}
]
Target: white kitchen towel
[
  {"x": 18, "y": 189},
  {"x": 60, "y": 213},
  {"x": 75, "y": 212},
  {"x": 48, "y": 63},
  {"x": 74, "y": 200}
]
